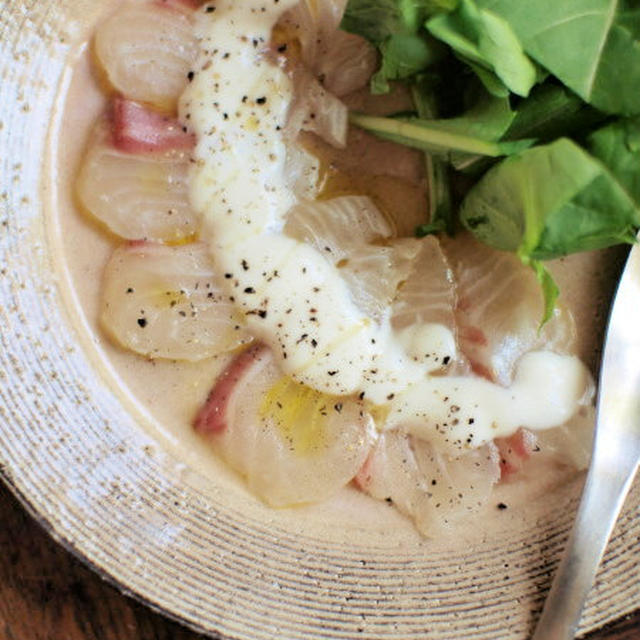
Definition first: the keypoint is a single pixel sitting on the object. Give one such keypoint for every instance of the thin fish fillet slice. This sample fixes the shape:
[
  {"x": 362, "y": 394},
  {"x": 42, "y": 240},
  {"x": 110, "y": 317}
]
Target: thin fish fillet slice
[
  {"x": 342, "y": 62},
  {"x": 316, "y": 110},
  {"x": 137, "y": 129},
  {"x": 312, "y": 24},
  {"x": 568, "y": 445},
  {"x": 571, "y": 443},
  {"x": 433, "y": 490},
  {"x": 374, "y": 274},
  {"x": 146, "y": 51},
  {"x": 344, "y": 229},
  {"x": 347, "y": 65},
  {"x": 293, "y": 445},
  {"x": 138, "y": 196},
  {"x": 499, "y": 310},
  {"x": 165, "y": 302},
  {"x": 302, "y": 171},
  {"x": 428, "y": 294},
  {"x": 335, "y": 226}
]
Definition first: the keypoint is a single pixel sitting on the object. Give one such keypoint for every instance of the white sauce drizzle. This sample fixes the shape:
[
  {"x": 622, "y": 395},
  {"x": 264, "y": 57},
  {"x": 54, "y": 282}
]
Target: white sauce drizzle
[
  {"x": 461, "y": 412},
  {"x": 293, "y": 298}
]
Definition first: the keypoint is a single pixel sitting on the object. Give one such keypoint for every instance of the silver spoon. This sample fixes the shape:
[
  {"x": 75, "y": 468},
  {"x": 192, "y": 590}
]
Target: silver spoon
[{"x": 616, "y": 455}]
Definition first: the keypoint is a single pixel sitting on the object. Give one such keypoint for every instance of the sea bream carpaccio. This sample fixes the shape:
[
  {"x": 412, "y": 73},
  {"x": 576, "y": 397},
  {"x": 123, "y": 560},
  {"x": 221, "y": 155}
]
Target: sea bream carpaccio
[{"x": 400, "y": 345}]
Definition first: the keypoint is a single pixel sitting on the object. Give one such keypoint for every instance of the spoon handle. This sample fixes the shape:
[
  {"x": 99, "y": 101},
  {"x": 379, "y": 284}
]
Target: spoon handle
[
  {"x": 616, "y": 454},
  {"x": 602, "y": 500}
]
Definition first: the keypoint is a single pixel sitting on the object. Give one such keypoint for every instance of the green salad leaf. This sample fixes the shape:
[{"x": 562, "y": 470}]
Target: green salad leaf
[
  {"x": 537, "y": 102},
  {"x": 552, "y": 111},
  {"x": 441, "y": 210},
  {"x": 377, "y": 20},
  {"x": 396, "y": 27},
  {"x": 557, "y": 199},
  {"x": 550, "y": 201},
  {"x": 617, "y": 146},
  {"x": 403, "y": 56},
  {"x": 476, "y": 133},
  {"x": 592, "y": 46},
  {"x": 550, "y": 291},
  {"x": 489, "y": 45}
]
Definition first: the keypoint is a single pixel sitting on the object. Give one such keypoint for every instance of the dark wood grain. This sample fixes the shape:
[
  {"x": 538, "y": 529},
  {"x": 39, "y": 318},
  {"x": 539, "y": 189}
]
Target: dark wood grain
[{"x": 47, "y": 594}]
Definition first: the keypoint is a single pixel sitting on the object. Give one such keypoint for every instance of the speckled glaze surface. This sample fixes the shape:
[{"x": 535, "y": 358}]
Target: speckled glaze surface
[{"x": 112, "y": 488}]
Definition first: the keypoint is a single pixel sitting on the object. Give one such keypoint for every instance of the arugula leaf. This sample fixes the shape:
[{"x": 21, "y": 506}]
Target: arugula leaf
[
  {"x": 617, "y": 145},
  {"x": 593, "y": 46},
  {"x": 550, "y": 291},
  {"x": 374, "y": 20},
  {"x": 441, "y": 213},
  {"x": 490, "y": 81},
  {"x": 488, "y": 44},
  {"x": 489, "y": 119},
  {"x": 477, "y": 132},
  {"x": 550, "y": 201},
  {"x": 540, "y": 202},
  {"x": 552, "y": 111},
  {"x": 558, "y": 199},
  {"x": 396, "y": 28},
  {"x": 430, "y": 135},
  {"x": 403, "y": 56}
]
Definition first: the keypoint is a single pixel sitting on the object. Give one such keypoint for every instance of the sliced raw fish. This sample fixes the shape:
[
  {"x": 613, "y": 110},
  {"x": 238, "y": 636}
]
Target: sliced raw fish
[
  {"x": 138, "y": 196},
  {"x": 147, "y": 51},
  {"x": 311, "y": 24},
  {"x": 516, "y": 450},
  {"x": 374, "y": 274},
  {"x": 316, "y": 110},
  {"x": 428, "y": 293},
  {"x": 292, "y": 444},
  {"x": 166, "y": 302},
  {"x": 347, "y": 64},
  {"x": 335, "y": 226},
  {"x": 500, "y": 308},
  {"x": 138, "y": 129},
  {"x": 349, "y": 231},
  {"x": 302, "y": 170},
  {"x": 569, "y": 444},
  {"x": 429, "y": 487}
]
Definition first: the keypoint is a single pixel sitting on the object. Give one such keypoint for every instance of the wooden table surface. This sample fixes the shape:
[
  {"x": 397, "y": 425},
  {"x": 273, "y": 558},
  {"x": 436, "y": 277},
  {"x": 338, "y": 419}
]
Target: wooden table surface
[{"x": 47, "y": 594}]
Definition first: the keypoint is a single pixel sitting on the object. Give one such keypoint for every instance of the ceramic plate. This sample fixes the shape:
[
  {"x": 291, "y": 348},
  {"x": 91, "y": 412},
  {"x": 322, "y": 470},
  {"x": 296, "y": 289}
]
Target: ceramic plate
[{"x": 145, "y": 506}]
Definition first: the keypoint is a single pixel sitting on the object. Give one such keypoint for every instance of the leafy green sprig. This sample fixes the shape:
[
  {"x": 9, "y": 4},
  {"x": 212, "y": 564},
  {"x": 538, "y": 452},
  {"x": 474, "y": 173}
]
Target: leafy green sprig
[{"x": 545, "y": 116}]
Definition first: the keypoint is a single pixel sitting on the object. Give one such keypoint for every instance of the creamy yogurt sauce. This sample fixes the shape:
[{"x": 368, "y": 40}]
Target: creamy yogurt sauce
[
  {"x": 238, "y": 104},
  {"x": 459, "y": 412},
  {"x": 292, "y": 297}
]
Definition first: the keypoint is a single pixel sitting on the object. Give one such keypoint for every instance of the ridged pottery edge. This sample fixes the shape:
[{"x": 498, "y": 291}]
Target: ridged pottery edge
[{"x": 115, "y": 494}]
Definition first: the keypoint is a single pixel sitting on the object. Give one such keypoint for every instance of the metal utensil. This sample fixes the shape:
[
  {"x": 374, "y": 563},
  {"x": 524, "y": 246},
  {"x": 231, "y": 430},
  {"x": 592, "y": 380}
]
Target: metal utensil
[{"x": 616, "y": 455}]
